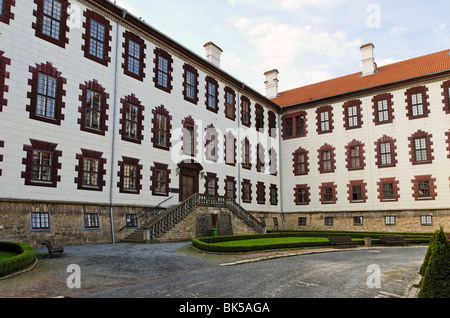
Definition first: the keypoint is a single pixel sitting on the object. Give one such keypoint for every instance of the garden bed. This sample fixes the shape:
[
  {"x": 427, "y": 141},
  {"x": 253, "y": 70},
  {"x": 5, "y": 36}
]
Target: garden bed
[
  {"x": 15, "y": 257},
  {"x": 292, "y": 240}
]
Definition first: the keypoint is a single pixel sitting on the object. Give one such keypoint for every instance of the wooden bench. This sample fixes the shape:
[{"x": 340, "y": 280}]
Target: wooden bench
[
  {"x": 341, "y": 241},
  {"x": 53, "y": 250},
  {"x": 392, "y": 240}
]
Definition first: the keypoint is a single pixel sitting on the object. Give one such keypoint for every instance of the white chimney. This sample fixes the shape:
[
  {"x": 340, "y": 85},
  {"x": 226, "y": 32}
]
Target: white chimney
[
  {"x": 213, "y": 53},
  {"x": 271, "y": 84},
  {"x": 368, "y": 60}
]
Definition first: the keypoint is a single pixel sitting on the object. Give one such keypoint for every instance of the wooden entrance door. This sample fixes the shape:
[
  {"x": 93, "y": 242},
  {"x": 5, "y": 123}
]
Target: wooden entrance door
[{"x": 187, "y": 187}]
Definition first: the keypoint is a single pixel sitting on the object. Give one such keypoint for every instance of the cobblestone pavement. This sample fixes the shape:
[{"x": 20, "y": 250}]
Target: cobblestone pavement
[{"x": 176, "y": 271}]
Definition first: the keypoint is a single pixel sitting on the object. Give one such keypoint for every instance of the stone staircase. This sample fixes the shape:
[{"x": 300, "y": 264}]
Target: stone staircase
[{"x": 165, "y": 221}]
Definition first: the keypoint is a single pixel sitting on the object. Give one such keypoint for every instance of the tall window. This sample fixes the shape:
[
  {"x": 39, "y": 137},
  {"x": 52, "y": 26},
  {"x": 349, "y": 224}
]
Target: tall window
[
  {"x": 134, "y": 56},
  {"x": 273, "y": 194},
  {"x": 46, "y": 96},
  {"x": 327, "y": 161},
  {"x": 51, "y": 24},
  {"x": 352, "y": 114},
  {"x": 421, "y": 148},
  {"x": 246, "y": 154},
  {"x": 418, "y": 105},
  {"x": 97, "y": 40},
  {"x": 132, "y": 121},
  {"x": 211, "y": 185},
  {"x": 383, "y": 109},
  {"x": 424, "y": 188},
  {"x": 190, "y": 84},
  {"x": 355, "y": 158},
  {"x": 91, "y": 170},
  {"x": 388, "y": 190},
  {"x": 212, "y": 94},
  {"x": 42, "y": 166},
  {"x": 302, "y": 194},
  {"x": 260, "y": 193},
  {"x": 246, "y": 191},
  {"x": 132, "y": 118},
  {"x": 230, "y": 188},
  {"x": 93, "y": 110},
  {"x": 386, "y": 152},
  {"x": 301, "y": 162},
  {"x": 230, "y": 103},
  {"x": 230, "y": 146},
  {"x": 4, "y": 61},
  {"x": 294, "y": 125},
  {"x": 161, "y": 128},
  {"x": 289, "y": 127},
  {"x": 245, "y": 111},
  {"x": 160, "y": 179},
  {"x": 328, "y": 193},
  {"x": 130, "y": 176},
  {"x": 5, "y": 11},
  {"x": 259, "y": 119},
  {"x": 300, "y": 125},
  {"x": 324, "y": 118},
  {"x": 357, "y": 192},
  {"x": 189, "y": 137},
  {"x": 163, "y": 70},
  {"x": 355, "y": 155}
]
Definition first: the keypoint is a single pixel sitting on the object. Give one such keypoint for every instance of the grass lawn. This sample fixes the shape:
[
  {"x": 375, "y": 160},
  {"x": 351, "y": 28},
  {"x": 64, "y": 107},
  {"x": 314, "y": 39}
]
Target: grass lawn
[
  {"x": 4, "y": 255},
  {"x": 268, "y": 241}
]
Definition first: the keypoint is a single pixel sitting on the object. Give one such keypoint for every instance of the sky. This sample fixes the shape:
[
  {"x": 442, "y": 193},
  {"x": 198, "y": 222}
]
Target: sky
[{"x": 307, "y": 41}]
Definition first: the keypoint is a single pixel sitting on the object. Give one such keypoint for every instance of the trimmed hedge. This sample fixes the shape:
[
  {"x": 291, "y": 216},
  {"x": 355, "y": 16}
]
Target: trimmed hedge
[
  {"x": 25, "y": 257},
  {"x": 206, "y": 243}
]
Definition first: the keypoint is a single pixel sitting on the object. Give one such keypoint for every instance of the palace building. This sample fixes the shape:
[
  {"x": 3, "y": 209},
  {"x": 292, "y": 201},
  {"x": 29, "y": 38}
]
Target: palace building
[{"x": 110, "y": 131}]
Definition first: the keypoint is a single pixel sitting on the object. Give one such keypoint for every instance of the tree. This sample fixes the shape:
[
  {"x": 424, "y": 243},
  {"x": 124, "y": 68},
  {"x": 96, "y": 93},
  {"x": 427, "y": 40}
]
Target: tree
[{"x": 436, "y": 278}]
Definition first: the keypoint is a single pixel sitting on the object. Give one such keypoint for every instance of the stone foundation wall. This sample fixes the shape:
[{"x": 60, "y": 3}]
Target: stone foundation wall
[{"x": 405, "y": 221}]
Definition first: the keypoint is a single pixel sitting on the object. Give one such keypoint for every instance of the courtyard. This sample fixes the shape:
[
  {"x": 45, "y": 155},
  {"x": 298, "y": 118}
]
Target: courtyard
[{"x": 175, "y": 271}]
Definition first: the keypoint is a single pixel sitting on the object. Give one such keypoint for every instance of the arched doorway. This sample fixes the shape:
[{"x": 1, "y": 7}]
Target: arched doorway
[{"x": 189, "y": 178}]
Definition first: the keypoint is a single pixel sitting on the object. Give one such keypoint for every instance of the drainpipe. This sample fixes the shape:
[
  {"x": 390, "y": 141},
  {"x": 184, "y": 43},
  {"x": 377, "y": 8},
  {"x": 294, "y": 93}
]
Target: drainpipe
[
  {"x": 113, "y": 142},
  {"x": 239, "y": 143},
  {"x": 280, "y": 171}
]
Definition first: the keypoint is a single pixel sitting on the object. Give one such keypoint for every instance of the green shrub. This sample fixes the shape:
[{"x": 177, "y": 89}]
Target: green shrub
[
  {"x": 436, "y": 278},
  {"x": 25, "y": 257}
]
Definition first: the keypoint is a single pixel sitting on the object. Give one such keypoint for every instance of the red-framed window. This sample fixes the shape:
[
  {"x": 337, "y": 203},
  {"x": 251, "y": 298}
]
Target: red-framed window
[
  {"x": 132, "y": 127},
  {"x": 3, "y": 76},
  {"x": 294, "y": 125},
  {"x": 301, "y": 162},
  {"x": 327, "y": 161},
  {"x": 190, "y": 136},
  {"x": 246, "y": 154},
  {"x": 134, "y": 56},
  {"x": 91, "y": 170},
  {"x": 272, "y": 124},
  {"x": 353, "y": 118},
  {"x": 302, "y": 194},
  {"x": 388, "y": 190},
  {"x": 211, "y": 143},
  {"x": 46, "y": 95},
  {"x": 273, "y": 192},
  {"x": 328, "y": 193},
  {"x": 41, "y": 164},
  {"x": 446, "y": 94},
  {"x": 212, "y": 94},
  {"x": 94, "y": 104},
  {"x": 51, "y": 21},
  {"x": 386, "y": 152},
  {"x": 97, "y": 38},
  {"x": 417, "y": 105},
  {"x": 357, "y": 192},
  {"x": 163, "y": 70},
  {"x": 260, "y": 158},
  {"x": 424, "y": 188},
  {"x": 190, "y": 84},
  {"x": 160, "y": 179},
  {"x": 355, "y": 155},
  {"x": 259, "y": 118},
  {"x": 246, "y": 188},
  {"x": 2, "y": 145},
  {"x": 162, "y": 128},
  {"x": 383, "y": 109},
  {"x": 230, "y": 188},
  {"x": 261, "y": 193},
  {"x": 211, "y": 184},
  {"x": 325, "y": 121},
  {"x": 130, "y": 176},
  {"x": 6, "y": 15},
  {"x": 230, "y": 149},
  {"x": 421, "y": 151},
  {"x": 230, "y": 103},
  {"x": 246, "y": 115}
]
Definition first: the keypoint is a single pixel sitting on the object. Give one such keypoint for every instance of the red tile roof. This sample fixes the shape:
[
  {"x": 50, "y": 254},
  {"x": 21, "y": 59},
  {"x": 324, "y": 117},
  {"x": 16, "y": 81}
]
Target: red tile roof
[{"x": 416, "y": 67}]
